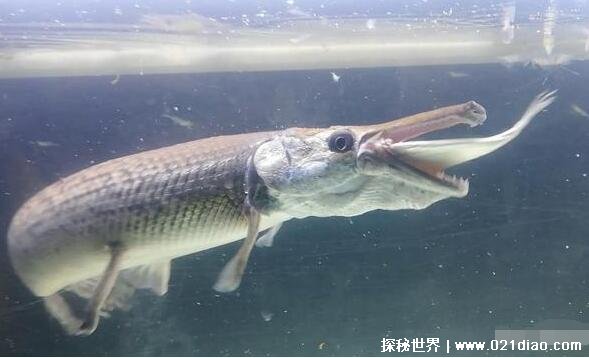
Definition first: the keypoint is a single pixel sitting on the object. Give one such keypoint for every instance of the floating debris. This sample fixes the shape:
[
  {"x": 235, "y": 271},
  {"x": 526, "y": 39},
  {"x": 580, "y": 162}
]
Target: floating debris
[
  {"x": 454, "y": 74},
  {"x": 179, "y": 121},
  {"x": 371, "y": 24},
  {"x": 116, "y": 80},
  {"x": 43, "y": 143},
  {"x": 335, "y": 77},
  {"x": 579, "y": 111},
  {"x": 266, "y": 315},
  {"x": 322, "y": 346}
]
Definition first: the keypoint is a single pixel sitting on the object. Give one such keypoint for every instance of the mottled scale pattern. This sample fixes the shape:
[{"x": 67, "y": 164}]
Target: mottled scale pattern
[{"x": 176, "y": 199}]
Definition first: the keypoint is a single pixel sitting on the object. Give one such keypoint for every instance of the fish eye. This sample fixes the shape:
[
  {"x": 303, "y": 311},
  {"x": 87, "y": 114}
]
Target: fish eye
[{"x": 341, "y": 142}]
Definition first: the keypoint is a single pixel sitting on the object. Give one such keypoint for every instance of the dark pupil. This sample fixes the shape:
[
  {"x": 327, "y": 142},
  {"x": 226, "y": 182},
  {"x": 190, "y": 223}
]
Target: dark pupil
[{"x": 341, "y": 143}]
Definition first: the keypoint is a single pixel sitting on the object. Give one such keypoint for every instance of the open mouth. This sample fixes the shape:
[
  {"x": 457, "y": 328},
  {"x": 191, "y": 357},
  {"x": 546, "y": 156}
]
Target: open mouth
[
  {"x": 382, "y": 141},
  {"x": 431, "y": 172},
  {"x": 427, "y": 173},
  {"x": 420, "y": 172},
  {"x": 424, "y": 161},
  {"x": 419, "y": 168}
]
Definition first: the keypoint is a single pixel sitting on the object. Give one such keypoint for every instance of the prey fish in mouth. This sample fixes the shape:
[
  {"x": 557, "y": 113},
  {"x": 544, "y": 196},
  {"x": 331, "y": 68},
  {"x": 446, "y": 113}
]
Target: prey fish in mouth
[{"x": 113, "y": 228}]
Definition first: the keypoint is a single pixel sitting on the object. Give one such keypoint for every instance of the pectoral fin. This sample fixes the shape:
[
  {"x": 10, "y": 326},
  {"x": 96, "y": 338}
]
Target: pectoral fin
[
  {"x": 230, "y": 277},
  {"x": 450, "y": 152}
]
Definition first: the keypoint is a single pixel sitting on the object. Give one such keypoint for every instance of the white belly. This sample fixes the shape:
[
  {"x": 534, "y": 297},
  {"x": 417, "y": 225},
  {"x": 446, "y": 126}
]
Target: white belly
[{"x": 81, "y": 260}]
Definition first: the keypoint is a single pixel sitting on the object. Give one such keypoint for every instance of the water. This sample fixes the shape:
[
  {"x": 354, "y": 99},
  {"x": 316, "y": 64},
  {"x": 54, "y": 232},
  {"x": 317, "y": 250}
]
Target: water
[{"x": 512, "y": 254}]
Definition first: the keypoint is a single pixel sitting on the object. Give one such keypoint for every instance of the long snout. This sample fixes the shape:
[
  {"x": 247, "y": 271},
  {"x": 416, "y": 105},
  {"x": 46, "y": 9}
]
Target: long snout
[{"x": 470, "y": 113}]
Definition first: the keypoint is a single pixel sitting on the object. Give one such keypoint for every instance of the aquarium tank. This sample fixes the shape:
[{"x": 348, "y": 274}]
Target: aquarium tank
[{"x": 294, "y": 178}]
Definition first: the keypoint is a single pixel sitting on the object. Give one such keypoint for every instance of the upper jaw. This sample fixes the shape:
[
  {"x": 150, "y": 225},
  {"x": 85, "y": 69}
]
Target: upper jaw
[
  {"x": 470, "y": 113},
  {"x": 377, "y": 143}
]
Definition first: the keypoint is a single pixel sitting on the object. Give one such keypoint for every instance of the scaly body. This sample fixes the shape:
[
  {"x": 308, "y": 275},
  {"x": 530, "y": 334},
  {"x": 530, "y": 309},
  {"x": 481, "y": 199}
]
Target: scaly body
[{"x": 160, "y": 204}]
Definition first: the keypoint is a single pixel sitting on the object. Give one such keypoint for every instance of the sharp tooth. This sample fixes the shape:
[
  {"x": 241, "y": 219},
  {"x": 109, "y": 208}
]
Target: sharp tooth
[{"x": 466, "y": 184}]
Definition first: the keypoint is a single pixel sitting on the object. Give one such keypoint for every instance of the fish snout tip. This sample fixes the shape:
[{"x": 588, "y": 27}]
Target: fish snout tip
[{"x": 474, "y": 113}]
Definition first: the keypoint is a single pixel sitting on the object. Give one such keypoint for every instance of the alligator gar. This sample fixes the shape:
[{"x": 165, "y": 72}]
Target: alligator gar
[{"x": 112, "y": 228}]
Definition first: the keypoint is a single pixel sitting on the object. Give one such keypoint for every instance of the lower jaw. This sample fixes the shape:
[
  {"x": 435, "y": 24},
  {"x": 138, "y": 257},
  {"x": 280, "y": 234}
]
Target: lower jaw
[
  {"x": 457, "y": 183},
  {"x": 445, "y": 184}
]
